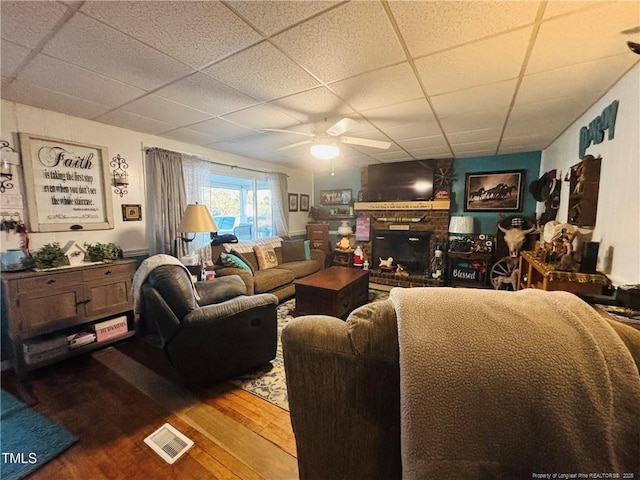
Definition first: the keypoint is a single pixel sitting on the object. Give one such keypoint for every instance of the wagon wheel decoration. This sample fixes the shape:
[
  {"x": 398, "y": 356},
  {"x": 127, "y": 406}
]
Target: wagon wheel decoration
[
  {"x": 444, "y": 177},
  {"x": 501, "y": 270}
]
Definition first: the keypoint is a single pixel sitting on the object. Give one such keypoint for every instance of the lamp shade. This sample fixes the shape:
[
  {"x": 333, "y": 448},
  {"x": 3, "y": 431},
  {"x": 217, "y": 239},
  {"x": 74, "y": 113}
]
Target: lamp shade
[
  {"x": 196, "y": 218},
  {"x": 461, "y": 225}
]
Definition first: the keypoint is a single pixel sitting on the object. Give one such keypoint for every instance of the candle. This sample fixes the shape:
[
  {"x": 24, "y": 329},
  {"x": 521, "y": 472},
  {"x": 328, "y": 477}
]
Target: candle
[
  {"x": 122, "y": 179},
  {"x": 5, "y": 168}
]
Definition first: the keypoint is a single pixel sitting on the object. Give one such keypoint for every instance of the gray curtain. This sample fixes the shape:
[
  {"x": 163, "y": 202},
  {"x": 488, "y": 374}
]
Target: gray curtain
[
  {"x": 280, "y": 203},
  {"x": 166, "y": 200}
]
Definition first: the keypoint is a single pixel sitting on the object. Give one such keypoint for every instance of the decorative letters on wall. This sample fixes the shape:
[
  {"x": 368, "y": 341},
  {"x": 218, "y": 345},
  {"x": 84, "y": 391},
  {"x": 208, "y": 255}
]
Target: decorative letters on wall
[{"x": 594, "y": 132}]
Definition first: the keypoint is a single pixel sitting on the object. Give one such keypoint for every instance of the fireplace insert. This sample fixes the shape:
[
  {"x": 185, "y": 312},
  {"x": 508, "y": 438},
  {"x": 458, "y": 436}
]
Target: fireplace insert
[{"x": 410, "y": 249}]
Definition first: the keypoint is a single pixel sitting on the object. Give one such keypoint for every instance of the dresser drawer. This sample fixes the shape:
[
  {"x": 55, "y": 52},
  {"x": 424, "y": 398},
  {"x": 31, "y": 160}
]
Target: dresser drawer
[
  {"x": 40, "y": 284},
  {"x": 108, "y": 270}
]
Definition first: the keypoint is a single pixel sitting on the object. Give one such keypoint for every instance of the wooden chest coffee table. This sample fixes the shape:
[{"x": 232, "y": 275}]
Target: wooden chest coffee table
[{"x": 334, "y": 291}]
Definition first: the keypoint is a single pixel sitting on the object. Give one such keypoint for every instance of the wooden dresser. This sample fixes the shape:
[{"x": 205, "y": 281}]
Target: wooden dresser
[{"x": 40, "y": 306}]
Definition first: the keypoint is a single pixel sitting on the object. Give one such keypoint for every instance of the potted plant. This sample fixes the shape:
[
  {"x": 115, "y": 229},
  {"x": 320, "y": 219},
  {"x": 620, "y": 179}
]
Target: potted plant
[
  {"x": 50, "y": 255},
  {"x": 102, "y": 252}
]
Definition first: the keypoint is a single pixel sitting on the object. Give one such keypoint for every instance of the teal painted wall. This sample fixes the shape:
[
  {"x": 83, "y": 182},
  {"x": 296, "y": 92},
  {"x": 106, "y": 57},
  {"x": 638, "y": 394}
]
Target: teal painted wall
[{"x": 486, "y": 222}]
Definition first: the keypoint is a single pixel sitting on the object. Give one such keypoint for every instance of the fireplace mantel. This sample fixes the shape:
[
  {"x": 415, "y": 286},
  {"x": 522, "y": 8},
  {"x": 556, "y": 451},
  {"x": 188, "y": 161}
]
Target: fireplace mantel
[{"x": 434, "y": 205}]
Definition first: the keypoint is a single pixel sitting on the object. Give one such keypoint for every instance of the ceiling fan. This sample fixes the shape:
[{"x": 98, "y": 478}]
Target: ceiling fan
[{"x": 324, "y": 143}]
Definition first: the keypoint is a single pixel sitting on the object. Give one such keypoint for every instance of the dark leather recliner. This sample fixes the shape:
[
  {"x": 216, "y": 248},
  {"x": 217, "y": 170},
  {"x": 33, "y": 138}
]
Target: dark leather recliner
[{"x": 222, "y": 334}]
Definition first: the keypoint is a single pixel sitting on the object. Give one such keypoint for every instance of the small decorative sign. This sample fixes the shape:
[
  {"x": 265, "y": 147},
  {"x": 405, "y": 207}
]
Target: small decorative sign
[
  {"x": 469, "y": 274},
  {"x": 594, "y": 132}
]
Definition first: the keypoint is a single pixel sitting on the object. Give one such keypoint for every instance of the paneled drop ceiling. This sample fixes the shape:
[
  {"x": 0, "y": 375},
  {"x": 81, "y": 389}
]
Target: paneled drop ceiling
[{"x": 435, "y": 78}]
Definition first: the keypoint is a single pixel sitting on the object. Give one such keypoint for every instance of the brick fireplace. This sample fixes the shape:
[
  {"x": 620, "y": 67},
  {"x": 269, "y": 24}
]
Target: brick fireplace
[{"x": 427, "y": 221}]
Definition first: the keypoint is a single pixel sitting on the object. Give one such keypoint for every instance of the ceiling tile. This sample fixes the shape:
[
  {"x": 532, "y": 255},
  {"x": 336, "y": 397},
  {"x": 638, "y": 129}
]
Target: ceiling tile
[
  {"x": 195, "y": 33},
  {"x": 431, "y": 152},
  {"x": 259, "y": 71},
  {"x": 473, "y": 147},
  {"x": 550, "y": 117},
  {"x": 385, "y": 86},
  {"x": 413, "y": 130},
  {"x": 391, "y": 157},
  {"x": 540, "y": 140},
  {"x": 314, "y": 105},
  {"x": 219, "y": 129},
  {"x": 262, "y": 116},
  {"x": 535, "y": 147},
  {"x": 437, "y": 141},
  {"x": 189, "y": 136},
  {"x": 273, "y": 16},
  {"x": 470, "y": 136},
  {"x": 258, "y": 146},
  {"x": 476, "y": 99},
  {"x": 475, "y": 64},
  {"x": 22, "y": 92},
  {"x": 414, "y": 111},
  {"x": 474, "y": 121},
  {"x": 28, "y": 23},
  {"x": 339, "y": 44},
  {"x": 561, "y": 7},
  {"x": 581, "y": 79},
  {"x": 90, "y": 44},
  {"x": 158, "y": 108},
  {"x": 66, "y": 78},
  {"x": 584, "y": 36},
  {"x": 12, "y": 57},
  {"x": 207, "y": 94},
  {"x": 134, "y": 122},
  {"x": 476, "y": 152},
  {"x": 429, "y": 27}
]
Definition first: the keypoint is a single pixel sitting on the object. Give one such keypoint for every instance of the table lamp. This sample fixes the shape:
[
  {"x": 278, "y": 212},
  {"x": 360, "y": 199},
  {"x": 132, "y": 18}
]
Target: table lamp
[{"x": 196, "y": 218}]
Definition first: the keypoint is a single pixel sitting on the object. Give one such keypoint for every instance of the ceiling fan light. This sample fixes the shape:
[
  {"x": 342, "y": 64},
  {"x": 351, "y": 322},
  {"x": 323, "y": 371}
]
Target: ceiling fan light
[{"x": 325, "y": 151}]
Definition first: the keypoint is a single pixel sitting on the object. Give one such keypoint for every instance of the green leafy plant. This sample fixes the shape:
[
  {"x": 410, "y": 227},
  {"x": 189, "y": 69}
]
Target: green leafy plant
[
  {"x": 49, "y": 256},
  {"x": 102, "y": 252}
]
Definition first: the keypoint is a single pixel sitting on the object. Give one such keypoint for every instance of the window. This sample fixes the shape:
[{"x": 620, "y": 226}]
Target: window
[{"x": 240, "y": 205}]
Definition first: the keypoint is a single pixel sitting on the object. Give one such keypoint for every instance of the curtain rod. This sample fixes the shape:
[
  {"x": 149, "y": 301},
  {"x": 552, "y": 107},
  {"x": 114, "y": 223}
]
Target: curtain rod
[{"x": 216, "y": 163}]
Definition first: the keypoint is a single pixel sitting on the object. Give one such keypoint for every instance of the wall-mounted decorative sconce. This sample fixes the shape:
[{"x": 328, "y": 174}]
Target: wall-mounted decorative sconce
[
  {"x": 120, "y": 176},
  {"x": 6, "y": 176}
]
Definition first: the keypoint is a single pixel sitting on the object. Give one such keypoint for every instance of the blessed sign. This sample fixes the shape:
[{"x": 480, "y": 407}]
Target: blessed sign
[{"x": 67, "y": 185}]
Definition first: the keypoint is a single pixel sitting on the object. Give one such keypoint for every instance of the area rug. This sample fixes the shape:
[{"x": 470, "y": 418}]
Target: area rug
[
  {"x": 271, "y": 384},
  {"x": 28, "y": 439}
]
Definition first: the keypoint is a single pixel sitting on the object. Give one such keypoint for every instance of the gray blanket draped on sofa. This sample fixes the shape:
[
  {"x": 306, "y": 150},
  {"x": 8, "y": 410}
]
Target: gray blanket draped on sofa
[{"x": 476, "y": 393}]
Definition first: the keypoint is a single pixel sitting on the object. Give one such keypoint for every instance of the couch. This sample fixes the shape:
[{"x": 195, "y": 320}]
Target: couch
[
  {"x": 293, "y": 259},
  {"x": 210, "y": 331},
  {"x": 464, "y": 383}
]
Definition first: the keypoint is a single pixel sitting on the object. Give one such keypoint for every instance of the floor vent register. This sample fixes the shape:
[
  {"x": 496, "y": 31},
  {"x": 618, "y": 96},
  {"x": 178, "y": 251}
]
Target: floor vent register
[{"x": 169, "y": 443}]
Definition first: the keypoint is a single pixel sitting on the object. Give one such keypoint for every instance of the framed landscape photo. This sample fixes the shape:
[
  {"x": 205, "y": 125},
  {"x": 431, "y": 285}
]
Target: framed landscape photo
[
  {"x": 335, "y": 197},
  {"x": 304, "y": 202},
  {"x": 67, "y": 184},
  {"x": 293, "y": 202},
  {"x": 494, "y": 191}
]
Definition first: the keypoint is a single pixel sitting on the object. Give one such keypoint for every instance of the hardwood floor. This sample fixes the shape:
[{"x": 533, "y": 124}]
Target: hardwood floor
[{"x": 111, "y": 403}]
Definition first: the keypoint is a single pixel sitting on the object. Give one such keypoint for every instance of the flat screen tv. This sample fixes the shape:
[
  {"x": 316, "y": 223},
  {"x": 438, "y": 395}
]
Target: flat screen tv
[{"x": 411, "y": 180}]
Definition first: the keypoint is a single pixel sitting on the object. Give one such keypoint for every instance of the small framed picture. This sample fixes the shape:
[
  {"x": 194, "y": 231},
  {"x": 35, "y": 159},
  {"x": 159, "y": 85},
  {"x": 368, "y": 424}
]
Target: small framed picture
[
  {"x": 304, "y": 202},
  {"x": 131, "y": 213},
  {"x": 340, "y": 196},
  {"x": 293, "y": 202}
]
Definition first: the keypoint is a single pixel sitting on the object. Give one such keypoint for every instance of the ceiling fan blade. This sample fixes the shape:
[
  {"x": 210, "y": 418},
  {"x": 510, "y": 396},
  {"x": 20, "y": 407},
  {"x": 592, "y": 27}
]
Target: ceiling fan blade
[
  {"x": 293, "y": 145},
  {"x": 295, "y": 132},
  {"x": 365, "y": 142},
  {"x": 631, "y": 30},
  {"x": 341, "y": 127}
]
